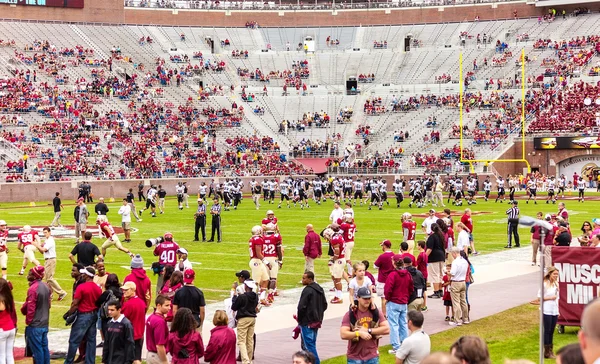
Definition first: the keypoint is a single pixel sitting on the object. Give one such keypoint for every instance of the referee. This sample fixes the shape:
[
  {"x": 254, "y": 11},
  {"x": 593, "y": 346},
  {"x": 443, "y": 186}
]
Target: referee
[
  {"x": 200, "y": 217},
  {"x": 513, "y": 225},
  {"x": 215, "y": 211}
]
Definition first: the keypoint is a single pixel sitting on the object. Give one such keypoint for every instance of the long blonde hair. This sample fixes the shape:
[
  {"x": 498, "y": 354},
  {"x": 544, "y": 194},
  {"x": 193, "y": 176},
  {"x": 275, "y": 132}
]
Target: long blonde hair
[{"x": 547, "y": 281}]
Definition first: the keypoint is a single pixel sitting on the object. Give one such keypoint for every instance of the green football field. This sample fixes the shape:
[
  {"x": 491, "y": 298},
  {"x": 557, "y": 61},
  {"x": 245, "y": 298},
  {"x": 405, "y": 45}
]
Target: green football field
[{"x": 216, "y": 263}]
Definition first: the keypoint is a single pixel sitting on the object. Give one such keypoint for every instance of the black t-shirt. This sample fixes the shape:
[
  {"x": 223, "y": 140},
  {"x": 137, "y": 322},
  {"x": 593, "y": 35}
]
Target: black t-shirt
[
  {"x": 130, "y": 197},
  {"x": 101, "y": 208},
  {"x": 85, "y": 252},
  {"x": 162, "y": 193},
  {"x": 438, "y": 253},
  {"x": 563, "y": 239},
  {"x": 190, "y": 297},
  {"x": 56, "y": 203}
]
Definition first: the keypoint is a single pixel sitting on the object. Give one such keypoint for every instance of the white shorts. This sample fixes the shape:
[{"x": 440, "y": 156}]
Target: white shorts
[
  {"x": 337, "y": 269},
  {"x": 29, "y": 253},
  {"x": 114, "y": 240},
  {"x": 274, "y": 267},
  {"x": 348, "y": 250},
  {"x": 379, "y": 289},
  {"x": 259, "y": 270},
  {"x": 3, "y": 260}
]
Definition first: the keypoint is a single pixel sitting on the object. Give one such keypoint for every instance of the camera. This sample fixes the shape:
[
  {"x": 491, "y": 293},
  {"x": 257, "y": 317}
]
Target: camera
[{"x": 154, "y": 242}]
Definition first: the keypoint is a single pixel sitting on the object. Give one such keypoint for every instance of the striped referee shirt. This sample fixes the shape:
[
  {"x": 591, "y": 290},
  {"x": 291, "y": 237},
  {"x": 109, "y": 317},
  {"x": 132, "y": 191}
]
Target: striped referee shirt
[
  {"x": 201, "y": 209},
  {"x": 216, "y": 209},
  {"x": 513, "y": 213}
]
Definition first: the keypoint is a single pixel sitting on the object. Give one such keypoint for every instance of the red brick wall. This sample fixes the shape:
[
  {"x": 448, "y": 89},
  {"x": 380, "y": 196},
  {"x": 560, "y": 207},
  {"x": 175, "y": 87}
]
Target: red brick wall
[{"x": 112, "y": 11}]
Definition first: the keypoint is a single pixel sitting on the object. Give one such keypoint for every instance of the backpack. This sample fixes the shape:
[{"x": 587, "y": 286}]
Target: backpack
[
  {"x": 418, "y": 283},
  {"x": 104, "y": 306}
]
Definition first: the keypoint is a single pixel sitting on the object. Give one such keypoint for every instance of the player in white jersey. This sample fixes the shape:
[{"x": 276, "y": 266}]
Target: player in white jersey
[
  {"x": 532, "y": 189},
  {"x": 581, "y": 188},
  {"x": 375, "y": 196},
  {"x": 151, "y": 196},
  {"x": 358, "y": 191},
  {"x": 562, "y": 184},
  {"x": 179, "y": 190},
  {"x": 202, "y": 190},
  {"x": 272, "y": 185},
  {"x": 551, "y": 190},
  {"x": 347, "y": 189},
  {"x": 512, "y": 187},
  {"x": 236, "y": 193},
  {"x": 501, "y": 193},
  {"x": 317, "y": 186},
  {"x": 451, "y": 188},
  {"x": 284, "y": 192},
  {"x": 487, "y": 187},
  {"x": 265, "y": 188},
  {"x": 398, "y": 187},
  {"x": 417, "y": 193},
  {"x": 471, "y": 186},
  {"x": 337, "y": 189},
  {"x": 458, "y": 191},
  {"x": 383, "y": 192}
]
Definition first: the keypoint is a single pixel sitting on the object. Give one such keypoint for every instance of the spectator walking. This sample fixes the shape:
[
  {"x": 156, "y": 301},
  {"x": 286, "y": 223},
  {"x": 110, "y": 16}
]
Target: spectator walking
[
  {"x": 458, "y": 288},
  {"x": 312, "y": 248},
  {"x": 417, "y": 345},
  {"x": 513, "y": 225},
  {"x": 86, "y": 251},
  {"x": 36, "y": 310},
  {"x": 589, "y": 335},
  {"x": 101, "y": 208},
  {"x": 140, "y": 278},
  {"x": 157, "y": 331},
  {"x": 130, "y": 198},
  {"x": 83, "y": 216},
  {"x": 222, "y": 343},
  {"x": 84, "y": 303},
  {"x": 78, "y": 233},
  {"x": 8, "y": 322},
  {"x": 436, "y": 255},
  {"x": 58, "y": 207},
  {"x": 311, "y": 309},
  {"x": 134, "y": 308},
  {"x": 125, "y": 212},
  {"x": 48, "y": 248},
  {"x": 398, "y": 288},
  {"x": 191, "y": 297},
  {"x": 385, "y": 266},
  {"x": 550, "y": 309},
  {"x": 245, "y": 304},
  {"x": 362, "y": 328},
  {"x": 415, "y": 301},
  {"x": 119, "y": 347},
  {"x": 184, "y": 342}
]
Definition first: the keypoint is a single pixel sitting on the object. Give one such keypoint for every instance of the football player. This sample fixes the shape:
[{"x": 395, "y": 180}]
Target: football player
[
  {"x": 272, "y": 189},
  {"x": 179, "y": 191},
  {"x": 255, "y": 187},
  {"x": 409, "y": 231},
  {"x": 236, "y": 193},
  {"x": 581, "y": 188},
  {"x": 317, "y": 190},
  {"x": 273, "y": 253},
  {"x": 202, "y": 190},
  {"x": 532, "y": 188},
  {"x": 259, "y": 265},
  {"x": 29, "y": 242},
  {"x": 501, "y": 193},
  {"x": 150, "y": 201},
  {"x": 471, "y": 185},
  {"x": 375, "y": 196},
  {"x": 337, "y": 189},
  {"x": 383, "y": 192},
  {"x": 284, "y": 191},
  {"x": 337, "y": 262},
  {"x": 562, "y": 184},
  {"x": 270, "y": 219},
  {"x": 458, "y": 191},
  {"x": 417, "y": 193},
  {"x": 111, "y": 238},
  {"x": 358, "y": 191},
  {"x": 487, "y": 187},
  {"x": 551, "y": 187},
  {"x": 161, "y": 193},
  {"x": 265, "y": 188},
  {"x": 227, "y": 195},
  {"x": 347, "y": 188},
  {"x": 512, "y": 187},
  {"x": 348, "y": 228},
  {"x": 3, "y": 248}
]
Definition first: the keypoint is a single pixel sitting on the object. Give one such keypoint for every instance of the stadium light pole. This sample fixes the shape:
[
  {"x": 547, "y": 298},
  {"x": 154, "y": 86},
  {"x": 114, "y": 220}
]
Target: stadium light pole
[{"x": 545, "y": 225}]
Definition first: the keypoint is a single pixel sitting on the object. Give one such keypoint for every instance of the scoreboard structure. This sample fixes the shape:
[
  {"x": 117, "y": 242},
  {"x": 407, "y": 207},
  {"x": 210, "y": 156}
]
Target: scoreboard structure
[{"x": 47, "y": 3}]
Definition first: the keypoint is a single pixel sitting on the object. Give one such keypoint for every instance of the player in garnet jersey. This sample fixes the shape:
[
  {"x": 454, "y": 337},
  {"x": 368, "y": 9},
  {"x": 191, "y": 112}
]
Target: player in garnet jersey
[
  {"x": 409, "y": 230},
  {"x": 29, "y": 241},
  {"x": 273, "y": 253},
  {"x": 259, "y": 265},
  {"x": 337, "y": 262},
  {"x": 166, "y": 251},
  {"x": 270, "y": 219},
  {"x": 348, "y": 228},
  {"x": 3, "y": 248},
  {"x": 111, "y": 237}
]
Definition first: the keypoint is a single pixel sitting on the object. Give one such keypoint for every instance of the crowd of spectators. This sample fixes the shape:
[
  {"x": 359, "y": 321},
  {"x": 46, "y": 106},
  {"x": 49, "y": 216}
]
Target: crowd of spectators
[{"x": 382, "y": 44}]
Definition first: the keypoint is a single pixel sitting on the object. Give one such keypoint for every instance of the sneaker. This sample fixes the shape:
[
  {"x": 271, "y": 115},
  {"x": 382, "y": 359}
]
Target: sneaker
[
  {"x": 332, "y": 289},
  {"x": 62, "y": 296},
  {"x": 466, "y": 322},
  {"x": 424, "y": 309},
  {"x": 435, "y": 295},
  {"x": 392, "y": 351},
  {"x": 21, "y": 272},
  {"x": 452, "y": 323},
  {"x": 336, "y": 300},
  {"x": 447, "y": 318},
  {"x": 475, "y": 253},
  {"x": 101, "y": 344},
  {"x": 140, "y": 213}
]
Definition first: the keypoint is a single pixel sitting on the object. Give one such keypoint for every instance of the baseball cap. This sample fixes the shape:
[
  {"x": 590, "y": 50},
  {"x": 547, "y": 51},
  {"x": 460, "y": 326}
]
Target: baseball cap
[
  {"x": 88, "y": 271},
  {"x": 431, "y": 211},
  {"x": 398, "y": 258},
  {"x": 182, "y": 251},
  {"x": 594, "y": 220},
  {"x": 515, "y": 202},
  {"x": 128, "y": 285},
  {"x": 363, "y": 292},
  {"x": 250, "y": 284},
  {"x": 189, "y": 275},
  {"x": 80, "y": 199},
  {"x": 2, "y": 222},
  {"x": 243, "y": 274},
  {"x": 200, "y": 200},
  {"x": 553, "y": 216},
  {"x": 407, "y": 260},
  {"x": 386, "y": 243},
  {"x": 563, "y": 224}
]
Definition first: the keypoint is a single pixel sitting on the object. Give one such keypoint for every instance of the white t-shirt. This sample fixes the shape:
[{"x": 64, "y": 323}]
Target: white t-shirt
[
  {"x": 550, "y": 307},
  {"x": 427, "y": 224},
  {"x": 125, "y": 212},
  {"x": 354, "y": 285},
  {"x": 186, "y": 265},
  {"x": 414, "y": 348},
  {"x": 336, "y": 214},
  {"x": 50, "y": 244},
  {"x": 463, "y": 240}
]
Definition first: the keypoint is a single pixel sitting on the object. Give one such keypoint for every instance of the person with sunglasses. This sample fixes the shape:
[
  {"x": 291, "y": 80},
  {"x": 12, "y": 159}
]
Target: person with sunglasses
[{"x": 363, "y": 327}]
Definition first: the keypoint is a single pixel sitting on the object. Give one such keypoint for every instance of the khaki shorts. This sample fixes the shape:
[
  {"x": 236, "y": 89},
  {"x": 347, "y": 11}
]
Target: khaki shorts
[
  {"x": 29, "y": 253},
  {"x": 114, "y": 240},
  {"x": 434, "y": 272},
  {"x": 82, "y": 227},
  {"x": 379, "y": 289},
  {"x": 259, "y": 270},
  {"x": 274, "y": 267},
  {"x": 126, "y": 225},
  {"x": 348, "y": 250},
  {"x": 411, "y": 246},
  {"x": 416, "y": 304},
  {"x": 3, "y": 260},
  {"x": 337, "y": 269}
]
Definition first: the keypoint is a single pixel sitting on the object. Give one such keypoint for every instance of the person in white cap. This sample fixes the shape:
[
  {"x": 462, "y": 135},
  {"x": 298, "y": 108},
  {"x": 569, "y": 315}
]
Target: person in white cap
[
  {"x": 183, "y": 262},
  {"x": 3, "y": 248},
  {"x": 270, "y": 219},
  {"x": 29, "y": 242}
]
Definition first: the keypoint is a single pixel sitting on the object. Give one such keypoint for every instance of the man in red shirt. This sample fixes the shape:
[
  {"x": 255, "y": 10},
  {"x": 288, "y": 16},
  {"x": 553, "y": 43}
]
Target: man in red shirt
[
  {"x": 29, "y": 241},
  {"x": 134, "y": 308},
  {"x": 348, "y": 228},
  {"x": 312, "y": 248},
  {"x": 157, "y": 331},
  {"x": 337, "y": 262},
  {"x": 468, "y": 221},
  {"x": 409, "y": 230},
  {"x": 259, "y": 265},
  {"x": 274, "y": 255},
  {"x": 84, "y": 302},
  {"x": 385, "y": 266},
  {"x": 397, "y": 291},
  {"x": 3, "y": 248}
]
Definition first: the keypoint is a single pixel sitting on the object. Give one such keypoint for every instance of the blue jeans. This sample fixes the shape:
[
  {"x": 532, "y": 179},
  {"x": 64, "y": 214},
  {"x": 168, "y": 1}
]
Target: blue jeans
[
  {"x": 309, "y": 340},
  {"x": 85, "y": 326},
  {"x": 370, "y": 361},
  {"x": 37, "y": 341},
  {"x": 398, "y": 325}
]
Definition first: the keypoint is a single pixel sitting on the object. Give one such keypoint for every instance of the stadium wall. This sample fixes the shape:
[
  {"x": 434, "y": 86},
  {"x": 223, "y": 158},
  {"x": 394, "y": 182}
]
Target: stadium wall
[{"x": 113, "y": 12}]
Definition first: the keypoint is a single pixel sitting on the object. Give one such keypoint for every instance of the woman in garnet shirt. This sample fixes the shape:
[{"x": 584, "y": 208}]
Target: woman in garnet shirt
[
  {"x": 222, "y": 343},
  {"x": 8, "y": 322}
]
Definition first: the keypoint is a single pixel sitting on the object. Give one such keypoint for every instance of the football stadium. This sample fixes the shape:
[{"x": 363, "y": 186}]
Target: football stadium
[{"x": 361, "y": 182}]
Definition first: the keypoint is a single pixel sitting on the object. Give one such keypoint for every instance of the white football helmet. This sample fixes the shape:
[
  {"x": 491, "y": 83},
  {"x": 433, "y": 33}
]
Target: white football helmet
[
  {"x": 406, "y": 216},
  {"x": 26, "y": 228},
  {"x": 257, "y": 230},
  {"x": 270, "y": 228},
  {"x": 270, "y": 212},
  {"x": 328, "y": 233}
]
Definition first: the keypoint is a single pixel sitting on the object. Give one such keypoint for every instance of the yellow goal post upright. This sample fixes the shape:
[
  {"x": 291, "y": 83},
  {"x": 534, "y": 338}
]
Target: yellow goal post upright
[{"x": 460, "y": 105}]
